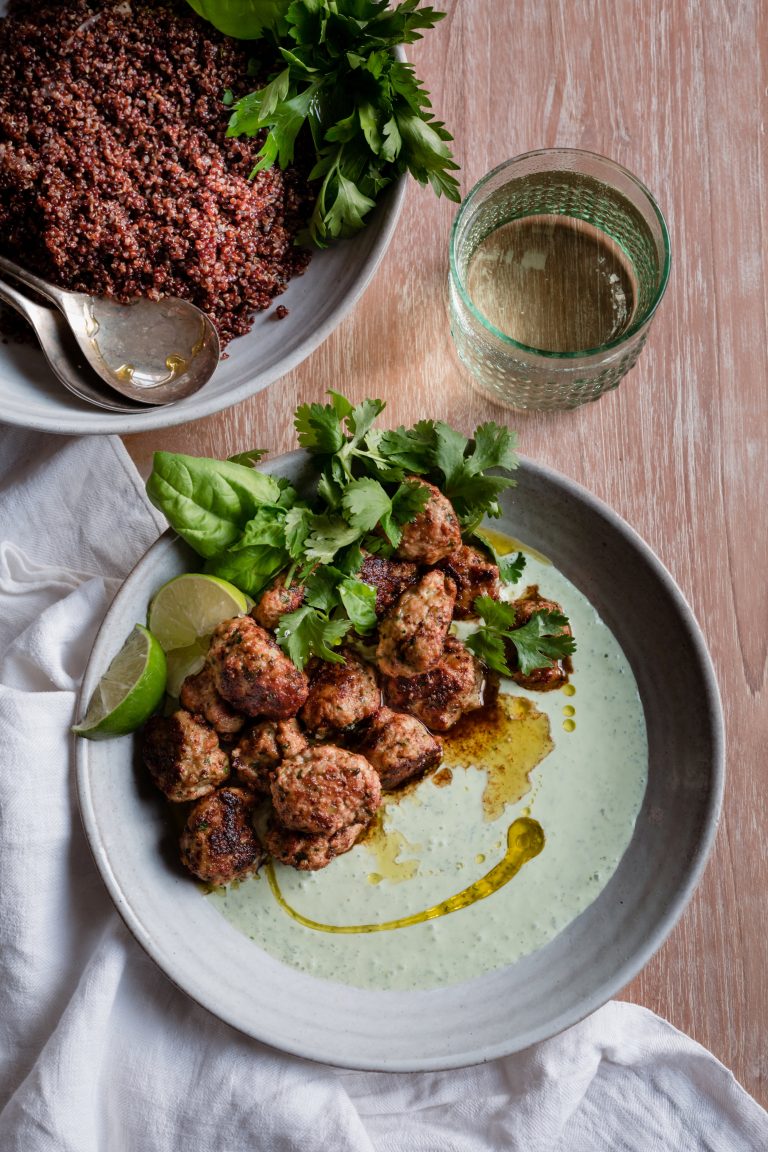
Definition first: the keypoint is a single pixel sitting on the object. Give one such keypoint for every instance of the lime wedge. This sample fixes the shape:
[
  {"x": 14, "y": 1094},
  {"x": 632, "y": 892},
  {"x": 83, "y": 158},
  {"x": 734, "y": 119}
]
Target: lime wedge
[
  {"x": 129, "y": 691},
  {"x": 184, "y": 613}
]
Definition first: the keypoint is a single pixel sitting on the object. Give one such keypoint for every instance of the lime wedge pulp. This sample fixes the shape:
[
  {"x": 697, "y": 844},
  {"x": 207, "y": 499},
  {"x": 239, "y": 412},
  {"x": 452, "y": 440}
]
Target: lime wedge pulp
[
  {"x": 129, "y": 691},
  {"x": 183, "y": 614}
]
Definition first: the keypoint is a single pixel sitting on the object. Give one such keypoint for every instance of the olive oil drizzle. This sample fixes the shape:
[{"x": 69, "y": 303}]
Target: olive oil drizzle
[{"x": 525, "y": 839}]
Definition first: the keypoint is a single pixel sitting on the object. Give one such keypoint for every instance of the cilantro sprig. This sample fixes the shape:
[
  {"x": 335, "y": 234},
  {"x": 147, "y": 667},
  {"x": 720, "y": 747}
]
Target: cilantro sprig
[
  {"x": 349, "y": 445},
  {"x": 538, "y": 644},
  {"x": 253, "y": 528},
  {"x": 368, "y": 114}
]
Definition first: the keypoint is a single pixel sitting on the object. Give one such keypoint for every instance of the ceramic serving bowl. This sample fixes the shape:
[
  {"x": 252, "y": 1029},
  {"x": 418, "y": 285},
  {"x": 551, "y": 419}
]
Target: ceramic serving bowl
[
  {"x": 318, "y": 301},
  {"x": 512, "y": 1007}
]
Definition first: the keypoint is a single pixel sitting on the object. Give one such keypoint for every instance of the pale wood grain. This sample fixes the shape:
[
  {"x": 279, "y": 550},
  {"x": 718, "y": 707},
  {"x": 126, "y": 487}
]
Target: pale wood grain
[{"x": 677, "y": 92}]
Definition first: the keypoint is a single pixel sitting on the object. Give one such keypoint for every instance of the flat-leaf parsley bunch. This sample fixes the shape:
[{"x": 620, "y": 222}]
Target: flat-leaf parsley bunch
[
  {"x": 368, "y": 114},
  {"x": 251, "y": 527}
]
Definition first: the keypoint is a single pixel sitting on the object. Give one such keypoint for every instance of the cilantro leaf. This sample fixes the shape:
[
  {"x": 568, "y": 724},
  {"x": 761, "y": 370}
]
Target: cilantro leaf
[
  {"x": 308, "y": 632},
  {"x": 411, "y": 448},
  {"x": 511, "y": 565},
  {"x": 488, "y": 646},
  {"x": 539, "y": 643},
  {"x": 297, "y": 524},
  {"x": 407, "y": 502},
  {"x": 248, "y": 458},
  {"x": 365, "y": 501},
  {"x": 494, "y": 447},
  {"x": 542, "y": 641},
  {"x": 319, "y": 428},
  {"x": 326, "y": 536}
]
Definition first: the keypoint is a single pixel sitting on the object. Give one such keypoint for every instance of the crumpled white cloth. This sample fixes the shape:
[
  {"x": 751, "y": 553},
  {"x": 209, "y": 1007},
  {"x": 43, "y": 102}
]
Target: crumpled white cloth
[{"x": 99, "y": 1052}]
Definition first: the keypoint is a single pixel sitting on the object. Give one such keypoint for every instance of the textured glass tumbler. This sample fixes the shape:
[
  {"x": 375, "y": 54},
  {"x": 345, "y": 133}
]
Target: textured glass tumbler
[{"x": 558, "y": 261}]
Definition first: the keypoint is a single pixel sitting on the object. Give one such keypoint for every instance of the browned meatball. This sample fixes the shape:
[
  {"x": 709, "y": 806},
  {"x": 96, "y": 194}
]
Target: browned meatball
[
  {"x": 252, "y": 672},
  {"x": 474, "y": 574},
  {"x": 434, "y": 533},
  {"x": 325, "y": 789},
  {"x": 309, "y": 853},
  {"x": 555, "y": 675},
  {"x": 218, "y": 843},
  {"x": 388, "y": 577},
  {"x": 198, "y": 694},
  {"x": 340, "y": 695},
  {"x": 442, "y": 695},
  {"x": 183, "y": 756},
  {"x": 412, "y": 634},
  {"x": 399, "y": 747},
  {"x": 257, "y": 753},
  {"x": 276, "y": 601}
]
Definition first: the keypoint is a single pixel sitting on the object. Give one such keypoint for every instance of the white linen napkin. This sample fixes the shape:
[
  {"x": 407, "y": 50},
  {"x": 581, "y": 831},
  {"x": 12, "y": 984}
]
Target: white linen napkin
[{"x": 99, "y": 1052}]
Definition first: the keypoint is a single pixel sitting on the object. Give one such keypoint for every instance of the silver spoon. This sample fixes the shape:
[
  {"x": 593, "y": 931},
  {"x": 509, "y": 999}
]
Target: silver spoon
[
  {"x": 62, "y": 353},
  {"x": 152, "y": 351}
]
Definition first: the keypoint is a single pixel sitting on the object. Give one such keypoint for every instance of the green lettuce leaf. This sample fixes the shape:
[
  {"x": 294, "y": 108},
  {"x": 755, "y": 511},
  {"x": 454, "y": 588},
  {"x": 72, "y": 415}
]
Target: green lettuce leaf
[
  {"x": 243, "y": 19},
  {"x": 208, "y": 502}
]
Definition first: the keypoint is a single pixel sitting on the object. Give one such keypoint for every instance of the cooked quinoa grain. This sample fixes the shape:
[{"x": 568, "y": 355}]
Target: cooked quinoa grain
[{"x": 116, "y": 176}]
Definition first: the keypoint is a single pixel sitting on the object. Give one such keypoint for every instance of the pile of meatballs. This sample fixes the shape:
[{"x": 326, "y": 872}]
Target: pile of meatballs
[{"x": 317, "y": 749}]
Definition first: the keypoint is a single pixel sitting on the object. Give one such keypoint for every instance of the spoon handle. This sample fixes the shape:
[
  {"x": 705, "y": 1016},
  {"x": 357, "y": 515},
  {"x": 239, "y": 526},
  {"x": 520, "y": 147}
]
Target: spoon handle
[
  {"x": 51, "y": 331},
  {"x": 50, "y": 291}
]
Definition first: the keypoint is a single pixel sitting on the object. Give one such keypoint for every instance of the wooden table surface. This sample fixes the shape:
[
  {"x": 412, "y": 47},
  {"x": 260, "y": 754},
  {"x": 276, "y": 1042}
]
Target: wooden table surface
[{"x": 676, "y": 91}]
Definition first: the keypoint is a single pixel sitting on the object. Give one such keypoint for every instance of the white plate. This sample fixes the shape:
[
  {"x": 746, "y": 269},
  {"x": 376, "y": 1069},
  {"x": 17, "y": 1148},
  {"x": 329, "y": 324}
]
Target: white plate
[{"x": 502, "y": 1011}]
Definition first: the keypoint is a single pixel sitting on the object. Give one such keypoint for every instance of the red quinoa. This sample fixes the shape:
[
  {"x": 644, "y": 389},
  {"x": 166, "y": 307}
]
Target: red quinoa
[{"x": 116, "y": 176}]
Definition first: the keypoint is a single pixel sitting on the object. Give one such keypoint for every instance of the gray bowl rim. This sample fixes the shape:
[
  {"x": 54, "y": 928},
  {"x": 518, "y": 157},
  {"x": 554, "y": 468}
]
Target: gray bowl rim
[{"x": 588, "y": 1004}]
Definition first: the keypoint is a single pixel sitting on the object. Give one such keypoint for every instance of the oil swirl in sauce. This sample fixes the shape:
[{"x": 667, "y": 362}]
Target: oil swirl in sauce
[{"x": 525, "y": 839}]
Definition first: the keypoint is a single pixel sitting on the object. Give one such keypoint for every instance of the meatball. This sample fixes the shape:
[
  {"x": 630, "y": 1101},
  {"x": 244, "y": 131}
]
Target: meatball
[
  {"x": 399, "y": 747},
  {"x": 554, "y": 675},
  {"x": 434, "y": 533},
  {"x": 218, "y": 843},
  {"x": 183, "y": 756},
  {"x": 252, "y": 673},
  {"x": 474, "y": 574},
  {"x": 276, "y": 601},
  {"x": 257, "y": 753},
  {"x": 325, "y": 789},
  {"x": 198, "y": 694},
  {"x": 309, "y": 853},
  {"x": 412, "y": 635},
  {"x": 388, "y": 577},
  {"x": 340, "y": 695},
  {"x": 442, "y": 695}
]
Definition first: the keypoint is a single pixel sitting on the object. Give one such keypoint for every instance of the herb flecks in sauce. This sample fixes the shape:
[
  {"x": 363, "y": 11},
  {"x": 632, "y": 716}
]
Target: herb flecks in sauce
[
  {"x": 525, "y": 839},
  {"x": 506, "y": 739}
]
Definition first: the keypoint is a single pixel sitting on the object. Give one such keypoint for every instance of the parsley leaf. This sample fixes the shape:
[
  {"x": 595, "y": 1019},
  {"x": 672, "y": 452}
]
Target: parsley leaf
[
  {"x": 539, "y": 643},
  {"x": 369, "y": 116}
]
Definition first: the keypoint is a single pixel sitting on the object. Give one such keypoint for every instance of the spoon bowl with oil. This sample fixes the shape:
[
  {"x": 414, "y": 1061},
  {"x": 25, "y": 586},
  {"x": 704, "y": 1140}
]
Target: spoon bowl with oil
[{"x": 151, "y": 351}]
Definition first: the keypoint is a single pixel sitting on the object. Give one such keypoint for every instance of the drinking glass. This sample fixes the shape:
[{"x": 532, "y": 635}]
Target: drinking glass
[{"x": 558, "y": 261}]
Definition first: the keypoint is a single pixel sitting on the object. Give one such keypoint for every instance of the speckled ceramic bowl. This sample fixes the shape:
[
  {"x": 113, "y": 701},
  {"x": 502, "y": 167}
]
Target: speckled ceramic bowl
[{"x": 507, "y": 1009}]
